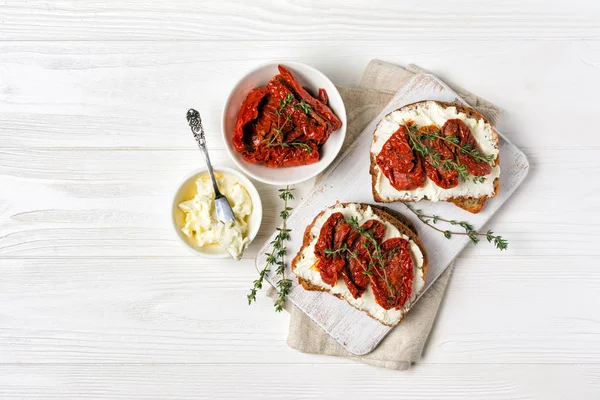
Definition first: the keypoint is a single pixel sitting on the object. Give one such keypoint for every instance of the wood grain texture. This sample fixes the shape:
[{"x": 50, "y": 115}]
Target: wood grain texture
[
  {"x": 119, "y": 202},
  {"x": 98, "y": 300},
  {"x": 139, "y": 310},
  {"x": 304, "y": 20},
  {"x": 69, "y": 203},
  {"x": 461, "y": 382},
  {"x": 59, "y": 95}
]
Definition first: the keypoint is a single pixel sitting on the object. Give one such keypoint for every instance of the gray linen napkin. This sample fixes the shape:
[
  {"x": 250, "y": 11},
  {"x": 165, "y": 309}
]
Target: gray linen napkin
[{"x": 404, "y": 345}]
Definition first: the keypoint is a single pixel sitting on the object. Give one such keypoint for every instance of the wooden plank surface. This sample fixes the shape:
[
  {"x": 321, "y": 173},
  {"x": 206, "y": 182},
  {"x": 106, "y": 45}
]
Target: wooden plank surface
[
  {"x": 57, "y": 94},
  {"x": 495, "y": 382},
  {"x": 132, "y": 310},
  {"x": 97, "y": 298},
  {"x": 60, "y": 202},
  {"x": 305, "y": 20}
]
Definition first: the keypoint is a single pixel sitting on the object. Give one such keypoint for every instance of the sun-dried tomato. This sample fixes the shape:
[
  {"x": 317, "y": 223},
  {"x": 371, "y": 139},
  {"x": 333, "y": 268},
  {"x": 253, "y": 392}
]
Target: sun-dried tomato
[
  {"x": 434, "y": 165},
  {"x": 392, "y": 284},
  {"x": 282, "y": 125},
  {"x": 332, "y": 236},
  {"x": 361, "y": 257},
  {"x": 399, "y": 163},
  {"x": 360, "y": 248},
  {"x": 457, "y": 128}
]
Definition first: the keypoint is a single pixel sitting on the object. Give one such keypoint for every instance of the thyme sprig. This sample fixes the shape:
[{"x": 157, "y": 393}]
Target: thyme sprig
[
  {"x": 283, "y": 103},
  {"x": 297, "y": 145},
  {"x": 417, "y": 138},
  {"x": 277, "y": 138},
  {"x": 277, "y": 256},
  {"x": 334, "y": 252},
  {"x": 376, "y": 257},
  {"x": 429, "y": 220},
  {"x": 304, "y": 106}
]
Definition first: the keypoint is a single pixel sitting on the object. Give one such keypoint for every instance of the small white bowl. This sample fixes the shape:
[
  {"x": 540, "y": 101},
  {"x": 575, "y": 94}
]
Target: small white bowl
[
  {"x": 311, "y": 79},
  {"x": 187, "y": 190}
]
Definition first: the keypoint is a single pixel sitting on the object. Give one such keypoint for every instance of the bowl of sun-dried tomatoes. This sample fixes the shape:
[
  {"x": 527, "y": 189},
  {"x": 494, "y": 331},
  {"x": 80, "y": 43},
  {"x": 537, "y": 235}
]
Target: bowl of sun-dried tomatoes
[{"x": 284, "y": 123}]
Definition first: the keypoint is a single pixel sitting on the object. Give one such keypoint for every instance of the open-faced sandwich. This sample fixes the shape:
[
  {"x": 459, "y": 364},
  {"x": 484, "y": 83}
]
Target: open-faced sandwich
[
  {"x": 436, "y": 151},
  {"x": 369, "y": 257}
]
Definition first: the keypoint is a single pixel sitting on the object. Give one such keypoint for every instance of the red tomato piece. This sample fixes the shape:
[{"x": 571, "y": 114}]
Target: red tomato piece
[{"x": 399, "y": 163}]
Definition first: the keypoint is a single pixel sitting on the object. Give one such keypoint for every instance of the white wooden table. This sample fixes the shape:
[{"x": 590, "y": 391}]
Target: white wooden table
[{"x": 99, "y": 300}]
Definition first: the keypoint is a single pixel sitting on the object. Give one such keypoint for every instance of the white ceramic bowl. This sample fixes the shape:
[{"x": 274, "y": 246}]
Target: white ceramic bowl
[
  {"x": 187, "y": 190},
  {"x": 311, "y": 79}
]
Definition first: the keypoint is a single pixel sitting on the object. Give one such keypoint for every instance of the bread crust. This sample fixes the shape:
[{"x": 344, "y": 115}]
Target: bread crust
[
  {"x": 402, "y": 223},
  {"x": 470, "y": 203}
]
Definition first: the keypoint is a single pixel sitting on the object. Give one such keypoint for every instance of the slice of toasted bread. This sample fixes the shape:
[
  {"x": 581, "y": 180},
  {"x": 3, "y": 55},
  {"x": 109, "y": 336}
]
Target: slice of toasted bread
[
  {"x": 471, "y": 203},
  {"x": 405, "y": 227}
]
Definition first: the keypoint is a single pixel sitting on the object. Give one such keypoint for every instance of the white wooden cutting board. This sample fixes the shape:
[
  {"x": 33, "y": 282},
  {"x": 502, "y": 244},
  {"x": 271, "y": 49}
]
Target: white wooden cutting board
[{"x": 348, "y": 180}]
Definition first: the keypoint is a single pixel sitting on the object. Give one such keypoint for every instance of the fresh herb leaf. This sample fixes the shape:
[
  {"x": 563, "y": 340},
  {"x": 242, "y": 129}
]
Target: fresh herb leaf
[
  {"x": 277, "y": 138},
  {"x": 375, "y": 255},
  {"x": 417, "y": 143},
  {"x": 303, "y": 145},
  {"x": 499, "y": 242},
  {"x": 304, "y": 106},
  {"x": 335, "y": 252},
  {"x": 286, "y": 101},
  {"x": 277, "y": 256}
]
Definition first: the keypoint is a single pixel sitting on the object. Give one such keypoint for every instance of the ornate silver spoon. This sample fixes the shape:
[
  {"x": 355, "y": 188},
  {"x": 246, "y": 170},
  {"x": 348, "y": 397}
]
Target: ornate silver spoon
[{"x": 224, "y": 211}]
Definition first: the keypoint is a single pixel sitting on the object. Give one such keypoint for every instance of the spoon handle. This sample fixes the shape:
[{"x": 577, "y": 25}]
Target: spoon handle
[{"x": 195, "y": 122}]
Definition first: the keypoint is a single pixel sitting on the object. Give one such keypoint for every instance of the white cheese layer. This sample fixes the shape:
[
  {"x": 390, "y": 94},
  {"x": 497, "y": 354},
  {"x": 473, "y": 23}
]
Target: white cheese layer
[
  {"x": 201, "y": 223},
  {"x": 431, "y": 113},
  {"x": 366, "y": 302}
]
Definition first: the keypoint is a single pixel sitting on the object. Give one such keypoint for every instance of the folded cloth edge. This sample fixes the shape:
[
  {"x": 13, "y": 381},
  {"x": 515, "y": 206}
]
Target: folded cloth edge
[{"x": 380, "y": 81}]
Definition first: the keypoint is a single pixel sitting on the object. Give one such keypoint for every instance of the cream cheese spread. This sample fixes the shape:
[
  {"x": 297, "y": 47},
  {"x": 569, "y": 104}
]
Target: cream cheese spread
[
  {"x": 304, "y": 265},
  {"x": 432, "y": 113},
  {"x": 201, "y": 224}
]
